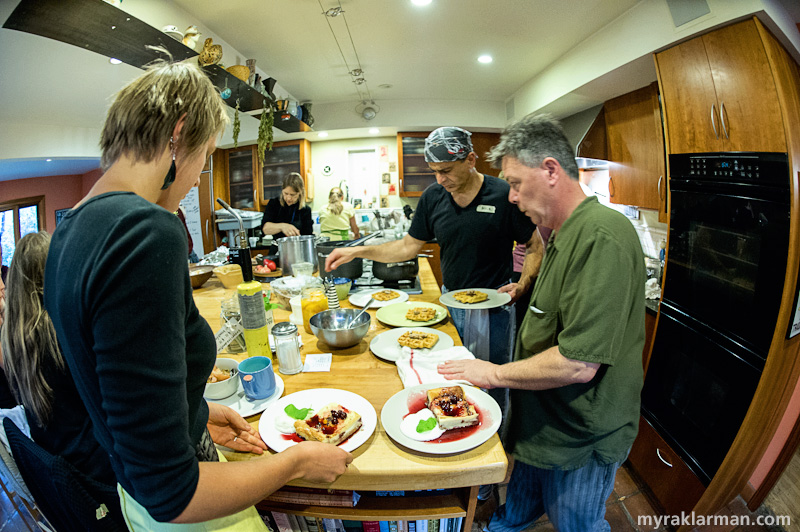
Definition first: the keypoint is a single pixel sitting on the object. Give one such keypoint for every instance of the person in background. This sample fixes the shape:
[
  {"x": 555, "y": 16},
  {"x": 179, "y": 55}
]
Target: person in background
[
  {"x": 288, "y": 214},
  {"x": 3, "y": 268},
  {"x": 118, "y": 291},
  {"x": 36, "y": 372},
  {"x": 337, "y": 218},
  {"x": 7, "y": 400},
  {"x": 577, "y": 372}
]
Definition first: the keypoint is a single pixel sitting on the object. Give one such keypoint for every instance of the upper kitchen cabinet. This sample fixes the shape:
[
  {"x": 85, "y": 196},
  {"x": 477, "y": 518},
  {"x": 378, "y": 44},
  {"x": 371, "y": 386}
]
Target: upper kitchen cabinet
[
  {"x": 286, "y": 157},
  {"x": 635, "y": 142},
  {"x": 241, "y": 165},
  {"x": 415, "y": 176},
  {"x": 719, "y": 93}
]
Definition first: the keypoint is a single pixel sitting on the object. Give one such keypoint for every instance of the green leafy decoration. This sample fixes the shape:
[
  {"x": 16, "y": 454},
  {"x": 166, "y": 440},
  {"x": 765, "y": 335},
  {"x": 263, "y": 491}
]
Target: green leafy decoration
[
  {"x": 265, "y": 132},
  {"x": 426, "y": 424},
  {"x": 297, "y": 413},
  {"x": 237, "y": 125}
]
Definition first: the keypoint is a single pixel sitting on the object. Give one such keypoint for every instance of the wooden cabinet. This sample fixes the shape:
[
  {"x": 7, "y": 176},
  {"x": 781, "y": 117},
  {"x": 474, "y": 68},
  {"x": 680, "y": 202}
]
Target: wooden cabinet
[
  {"x": 719, "y": 93},
  {"x": 434, "y": 260},
  {"x": 594, "y": 144},
  {"x": 246, "y": 186},
  {"x": 415, "y": 176},
  {"x": 674, "y": 485},
  {"x": 636, "y": 143},
  {"x": 286, "y": 157}
]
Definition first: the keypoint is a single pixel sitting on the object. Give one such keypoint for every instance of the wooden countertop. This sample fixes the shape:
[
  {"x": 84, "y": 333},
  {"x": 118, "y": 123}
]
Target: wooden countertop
[{"x": 379, "y": 464}]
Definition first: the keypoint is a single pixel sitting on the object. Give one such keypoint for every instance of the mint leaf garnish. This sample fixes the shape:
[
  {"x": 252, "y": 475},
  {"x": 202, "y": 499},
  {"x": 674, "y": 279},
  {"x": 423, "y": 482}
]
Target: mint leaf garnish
[
  {"x": 426, "y": 424},
  {"x": 296, "y": 413}
]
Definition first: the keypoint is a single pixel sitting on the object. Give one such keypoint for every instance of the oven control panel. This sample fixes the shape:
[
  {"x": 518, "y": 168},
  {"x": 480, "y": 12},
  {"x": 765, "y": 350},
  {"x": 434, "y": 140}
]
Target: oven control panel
[{"x": 741, "y": 167}]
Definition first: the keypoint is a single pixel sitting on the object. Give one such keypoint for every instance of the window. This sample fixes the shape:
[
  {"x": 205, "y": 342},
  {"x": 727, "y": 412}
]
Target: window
[{"x": 17, "y": 219}]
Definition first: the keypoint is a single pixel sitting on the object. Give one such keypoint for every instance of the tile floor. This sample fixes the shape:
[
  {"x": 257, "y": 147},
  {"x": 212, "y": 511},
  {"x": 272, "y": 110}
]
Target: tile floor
[{"x": 628, "y": 502}]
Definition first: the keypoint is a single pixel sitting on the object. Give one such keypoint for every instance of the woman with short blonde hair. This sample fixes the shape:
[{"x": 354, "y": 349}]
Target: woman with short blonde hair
[
  {"x": 337, "y": 218},
  {"x": 118, "y": 291}
]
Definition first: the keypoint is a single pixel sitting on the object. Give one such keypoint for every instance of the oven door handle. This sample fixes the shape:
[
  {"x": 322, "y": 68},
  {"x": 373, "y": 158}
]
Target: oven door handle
[{"x": 658, "y": 453}]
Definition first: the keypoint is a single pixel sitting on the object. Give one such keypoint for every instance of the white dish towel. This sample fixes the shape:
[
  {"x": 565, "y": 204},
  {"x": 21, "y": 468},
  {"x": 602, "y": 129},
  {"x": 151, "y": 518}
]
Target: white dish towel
[{"x": 419, "y": 367}]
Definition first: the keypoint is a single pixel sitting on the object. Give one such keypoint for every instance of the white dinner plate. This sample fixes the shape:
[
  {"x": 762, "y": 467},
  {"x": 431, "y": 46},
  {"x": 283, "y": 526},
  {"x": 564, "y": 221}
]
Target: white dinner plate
[
  {"x": 317, "y": 398},
  {"x": 359, "y": 299},
  {"x": 496, "y": 299},
  {"x": 244, "y": 406},
  {"x": 397, "y": 407},
  {"x": 385, "y": 346}
]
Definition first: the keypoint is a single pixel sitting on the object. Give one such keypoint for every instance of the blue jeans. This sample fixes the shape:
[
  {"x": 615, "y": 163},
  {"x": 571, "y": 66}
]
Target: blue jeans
[{"x": 574, "y": 501}]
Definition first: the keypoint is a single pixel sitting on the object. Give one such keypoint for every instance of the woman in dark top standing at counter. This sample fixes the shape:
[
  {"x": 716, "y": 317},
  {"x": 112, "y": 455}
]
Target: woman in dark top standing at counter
[{"x": 288, "y": 214}]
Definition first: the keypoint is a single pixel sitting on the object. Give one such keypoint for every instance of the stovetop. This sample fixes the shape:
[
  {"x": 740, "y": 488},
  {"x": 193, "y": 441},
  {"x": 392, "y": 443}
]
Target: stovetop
[{"x": 368, "y": 282}]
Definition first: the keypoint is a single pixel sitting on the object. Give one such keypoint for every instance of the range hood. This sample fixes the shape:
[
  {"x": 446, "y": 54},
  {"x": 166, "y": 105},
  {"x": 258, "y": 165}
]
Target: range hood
[
  {"x": 587, "y": 163},
  {"x": 587, "y": 130}
]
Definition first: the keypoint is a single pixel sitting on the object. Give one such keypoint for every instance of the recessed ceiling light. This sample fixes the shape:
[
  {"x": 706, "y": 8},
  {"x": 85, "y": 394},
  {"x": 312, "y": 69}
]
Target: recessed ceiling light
[
  {"x": 485, "y": 59},
  {"x": 322, "y": 134},
  {"x": 48, "y": 160},
  {"x": 374, "y": 131},
  {"x": 420, "y": 2},
  {"x": 114, "y": 61}
]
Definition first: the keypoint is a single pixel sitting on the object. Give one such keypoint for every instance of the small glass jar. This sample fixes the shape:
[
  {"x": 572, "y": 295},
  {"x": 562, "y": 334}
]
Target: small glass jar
[
  {"x": 287, "y": 348},
  {"x": 312, "y": 301},
  {"x": 230, "y": 311}
]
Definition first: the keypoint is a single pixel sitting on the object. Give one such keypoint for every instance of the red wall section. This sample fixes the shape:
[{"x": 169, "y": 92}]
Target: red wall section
[{"x": 60, "y": 192}]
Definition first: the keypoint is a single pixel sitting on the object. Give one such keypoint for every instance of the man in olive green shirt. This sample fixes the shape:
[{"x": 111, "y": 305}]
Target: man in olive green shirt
[{"x": 577, "y": 372}]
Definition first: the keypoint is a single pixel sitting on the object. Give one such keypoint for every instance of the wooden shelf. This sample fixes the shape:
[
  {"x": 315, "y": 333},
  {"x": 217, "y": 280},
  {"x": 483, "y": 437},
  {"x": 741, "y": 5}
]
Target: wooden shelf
[
  {"x": 107, "y": 30},
  {"x": 380, "y": 508}
]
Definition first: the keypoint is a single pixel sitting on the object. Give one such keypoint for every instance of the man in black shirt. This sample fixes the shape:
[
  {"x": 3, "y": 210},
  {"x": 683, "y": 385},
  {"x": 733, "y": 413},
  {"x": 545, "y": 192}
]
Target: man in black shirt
[{"x": 469, "y": 214}]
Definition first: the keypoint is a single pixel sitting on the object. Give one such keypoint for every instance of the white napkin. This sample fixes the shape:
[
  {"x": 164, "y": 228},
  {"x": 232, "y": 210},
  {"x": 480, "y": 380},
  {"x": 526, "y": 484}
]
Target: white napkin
[
  {"x": 651, "y": 289},
  {"x": 17, "y": 415},
  {"x": 419, "y": 367}
]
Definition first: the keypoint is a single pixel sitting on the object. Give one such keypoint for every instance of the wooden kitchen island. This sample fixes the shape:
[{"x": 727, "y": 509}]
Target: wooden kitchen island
[{"x": 379, "y": 464}]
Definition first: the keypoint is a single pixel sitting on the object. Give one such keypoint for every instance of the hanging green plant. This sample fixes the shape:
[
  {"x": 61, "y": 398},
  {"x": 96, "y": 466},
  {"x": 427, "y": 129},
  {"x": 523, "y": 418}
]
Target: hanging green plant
[
  {"x": 237, "y": 125},
  {"x": 265, "y": 132}
]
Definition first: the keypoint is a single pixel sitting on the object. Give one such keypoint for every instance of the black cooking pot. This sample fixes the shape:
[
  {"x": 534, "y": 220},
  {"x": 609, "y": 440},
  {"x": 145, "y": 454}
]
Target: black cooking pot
[
  {"x": 396, "y": 271},
  {"x": 351, "y": 270}
]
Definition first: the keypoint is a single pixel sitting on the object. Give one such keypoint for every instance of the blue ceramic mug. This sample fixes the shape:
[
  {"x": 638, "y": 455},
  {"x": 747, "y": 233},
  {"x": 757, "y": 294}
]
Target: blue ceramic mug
[{"x": 258, "y": 377}]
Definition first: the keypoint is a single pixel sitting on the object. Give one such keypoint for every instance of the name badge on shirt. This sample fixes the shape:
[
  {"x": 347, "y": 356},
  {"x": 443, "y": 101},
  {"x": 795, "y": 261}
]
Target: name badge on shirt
[{"x": 486, "y": 208}]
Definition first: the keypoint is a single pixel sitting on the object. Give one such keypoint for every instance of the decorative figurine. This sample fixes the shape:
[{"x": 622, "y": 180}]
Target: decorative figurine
[
  {"x": 211, "y": 53},
  {"x": 191, "y": 36}
]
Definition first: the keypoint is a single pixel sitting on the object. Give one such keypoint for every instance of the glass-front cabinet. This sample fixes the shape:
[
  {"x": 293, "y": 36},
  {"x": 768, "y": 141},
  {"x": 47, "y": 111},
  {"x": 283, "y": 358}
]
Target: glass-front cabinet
[
  {"x": 415, "y": 176},
  {"x": 241, "y": 173},
  {"x": 286, "y": 157}
]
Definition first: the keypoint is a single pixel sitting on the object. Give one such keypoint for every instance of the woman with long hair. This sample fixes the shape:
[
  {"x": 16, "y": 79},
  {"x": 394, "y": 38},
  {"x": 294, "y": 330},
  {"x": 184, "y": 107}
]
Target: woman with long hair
[
  {"x": 35, "y": 368},
  {"x": 288, "y": 214},
  {"x": 118, "y": 291},
  {"x": 337, "y": 218}
]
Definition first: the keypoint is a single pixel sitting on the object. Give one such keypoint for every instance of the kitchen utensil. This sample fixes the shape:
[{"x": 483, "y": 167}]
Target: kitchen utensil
[
  {"x": 294, "y": 249},
  {"x": 331, "y": 327},
  {"x": 363, "y": 310},
  {"x": 351, "y": 270},
  {"x": 396, "y": 271},
  {"x": 359, "y": 241}
]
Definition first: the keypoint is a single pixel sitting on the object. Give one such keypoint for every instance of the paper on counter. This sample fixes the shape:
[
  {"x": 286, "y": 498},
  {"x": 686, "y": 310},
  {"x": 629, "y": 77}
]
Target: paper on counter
[{"x": 320, "y": 362}]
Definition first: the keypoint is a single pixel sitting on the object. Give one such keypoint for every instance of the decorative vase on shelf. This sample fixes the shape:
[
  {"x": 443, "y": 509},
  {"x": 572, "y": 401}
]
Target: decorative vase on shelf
[{"x": 251, "y": 64}]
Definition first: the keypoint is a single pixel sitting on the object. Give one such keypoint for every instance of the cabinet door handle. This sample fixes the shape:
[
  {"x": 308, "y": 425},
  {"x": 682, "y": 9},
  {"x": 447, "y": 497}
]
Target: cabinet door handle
[
  {"x": 206, "y": 228},
  {"x": 722, "y": 120},
  {"x": 660, "y": 178},
  {"x": 611, "y": 187},
  {"x": 713, "y": 123},
  {"x": 255, "y": 199},
  {"x": 658, "y": 453}
]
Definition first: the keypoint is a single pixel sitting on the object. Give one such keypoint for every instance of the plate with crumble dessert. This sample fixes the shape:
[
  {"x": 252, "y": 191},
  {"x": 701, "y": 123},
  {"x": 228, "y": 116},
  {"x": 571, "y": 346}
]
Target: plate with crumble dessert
[
  {"x": 411, "y": 314},
  {"x": 389, "y": 345},
  {"x": 443, "y": 418},
  {"x": 383, "y": 297},
  {"x": 327, "y": 415},
  {"x": 475, "y": 298}
]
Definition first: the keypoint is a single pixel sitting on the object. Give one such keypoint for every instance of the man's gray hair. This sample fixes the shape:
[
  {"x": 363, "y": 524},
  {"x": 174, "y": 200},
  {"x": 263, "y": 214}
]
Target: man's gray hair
[{"x": 531, "y": 140}]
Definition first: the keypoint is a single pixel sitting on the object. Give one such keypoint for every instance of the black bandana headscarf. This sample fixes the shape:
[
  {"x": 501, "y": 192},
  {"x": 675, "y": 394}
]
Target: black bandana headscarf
[{"x": 447, "y": 144}]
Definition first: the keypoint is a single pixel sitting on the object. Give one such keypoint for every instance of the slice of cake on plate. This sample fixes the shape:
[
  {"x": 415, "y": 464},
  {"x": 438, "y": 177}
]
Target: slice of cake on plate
[
  {"x": 451, "y": 408},
  {"x": 332, "y": 423}
]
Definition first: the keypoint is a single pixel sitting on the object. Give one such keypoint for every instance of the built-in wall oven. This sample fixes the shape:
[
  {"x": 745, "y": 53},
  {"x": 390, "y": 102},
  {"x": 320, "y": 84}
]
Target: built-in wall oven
[{"x": 726, "y": 263}]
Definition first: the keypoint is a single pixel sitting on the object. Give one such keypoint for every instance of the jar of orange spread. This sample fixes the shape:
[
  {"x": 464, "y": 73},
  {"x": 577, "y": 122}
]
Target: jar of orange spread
[{"x": 312, "y": 301}]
